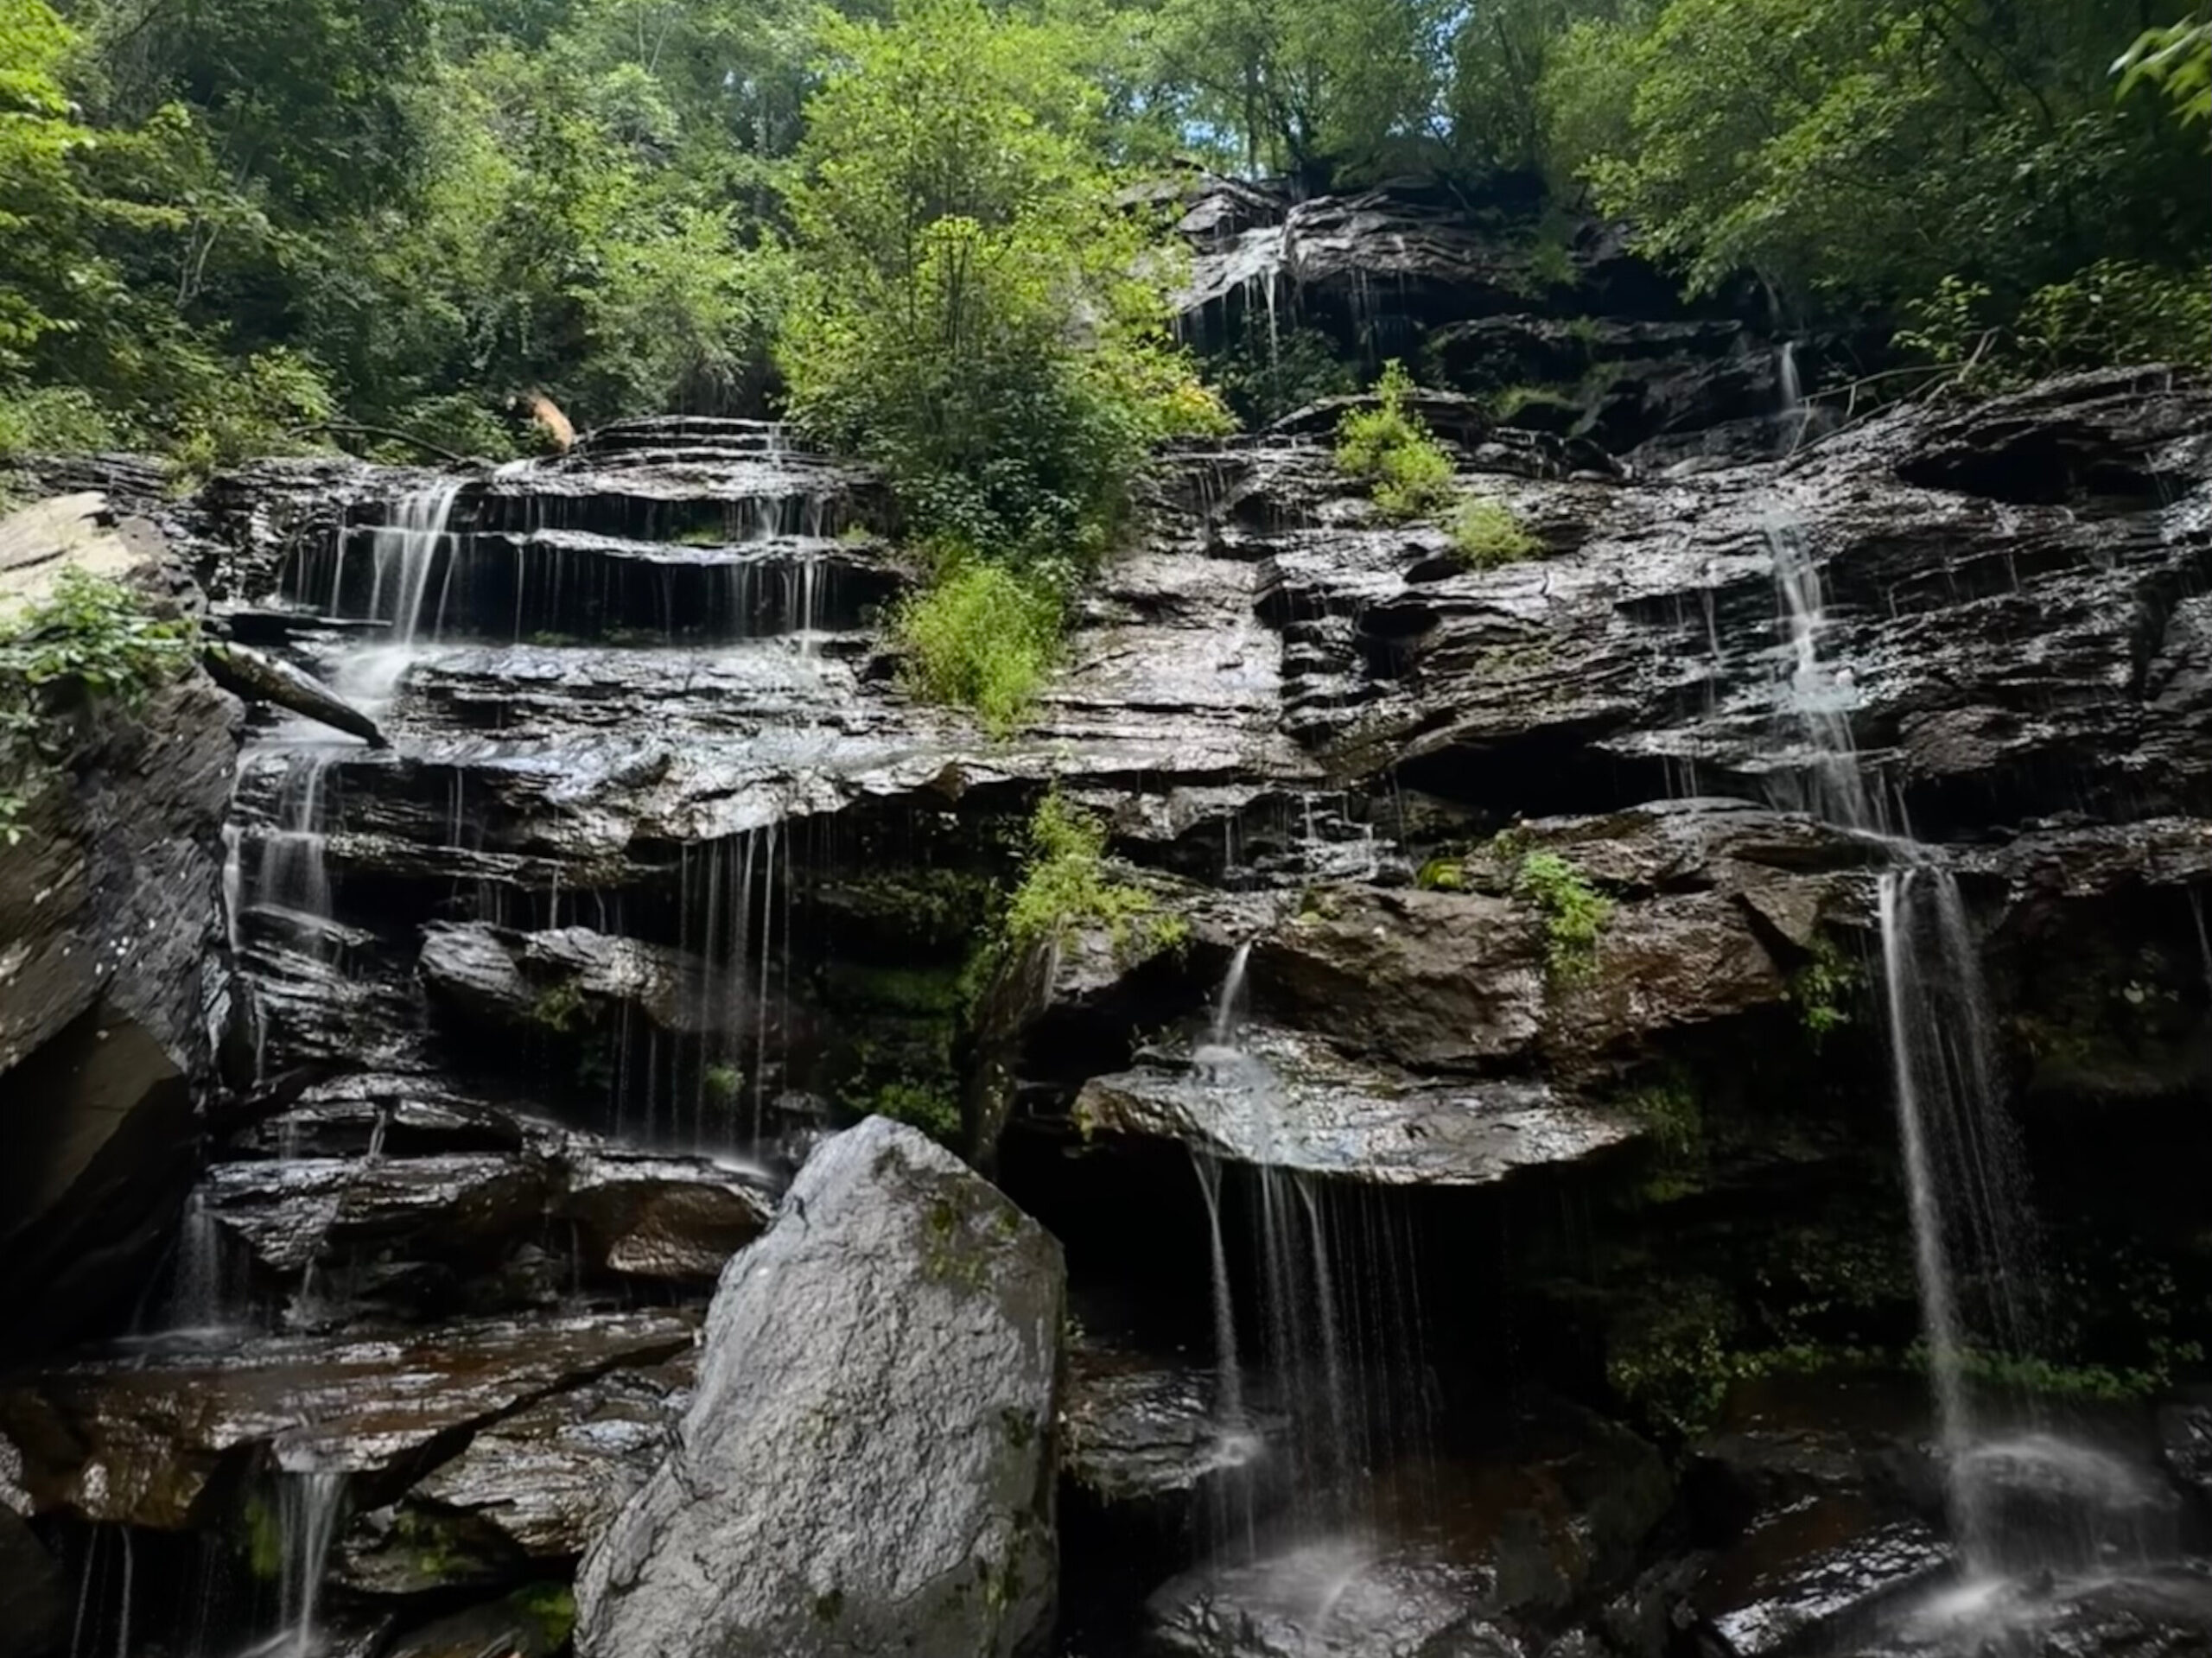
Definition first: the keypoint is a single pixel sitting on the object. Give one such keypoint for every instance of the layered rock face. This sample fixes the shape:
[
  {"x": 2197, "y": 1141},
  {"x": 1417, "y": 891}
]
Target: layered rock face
[
  {"x": 1415, "y": 1231},
  {"x": 110, "y": 902}
]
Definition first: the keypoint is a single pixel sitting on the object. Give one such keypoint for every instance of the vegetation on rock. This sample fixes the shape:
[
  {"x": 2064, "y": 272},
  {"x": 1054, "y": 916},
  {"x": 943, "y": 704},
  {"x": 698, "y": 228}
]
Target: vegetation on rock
[
  {"x": 1488, "y": 533},
  {"x": 1067, "y": 886},
  {"x": 1391, "y": 449},
  {"x": 982, "y": 636},
  {"x": 1574, "y": 912},
  {"x": 91, "y": 632}
]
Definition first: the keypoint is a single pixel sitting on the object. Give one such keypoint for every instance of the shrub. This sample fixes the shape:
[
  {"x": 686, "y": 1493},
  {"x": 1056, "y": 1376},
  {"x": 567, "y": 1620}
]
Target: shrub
[
  {"x": 1064, "y": 886},
  {"x": 1389, "y": 448},
  {"x": 50, "y": 419},
  {"x": 1486, "y": 534},
  {"x": 1574, "y": 913},
  {"x": 982, "y": 636},
  {"x": 90, "y": 630}
]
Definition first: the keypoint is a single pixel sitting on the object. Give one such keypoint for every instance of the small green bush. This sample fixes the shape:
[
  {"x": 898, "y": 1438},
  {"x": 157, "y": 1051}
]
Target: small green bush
[
  {"x": 932, "y": 1110},
  {"x": 722, "y": 1084},
  {"x": 1064, "y": 884},
  {"x": 1390, "y": 448},
  {"x": 95, "y": 630},
  {"x": 559, "y": 1007},
  {"x": 1821, "y": 989},
  {"x": 1486, "y": 534},
  {"x": 981, "y": 637},
  {"x": 1575, "y": 913},
  {"x": 92, "y": 631},
  {"x": 52, "y": 420}
]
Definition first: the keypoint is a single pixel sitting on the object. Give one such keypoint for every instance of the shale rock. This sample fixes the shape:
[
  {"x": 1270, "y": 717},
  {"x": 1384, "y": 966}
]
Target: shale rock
[
  {"x": 136, "y": 1439},
  {"x": 109, "y": 898},
  {"x": 867, "y": 1461},
  {"x": 1288, "y": 1102}
]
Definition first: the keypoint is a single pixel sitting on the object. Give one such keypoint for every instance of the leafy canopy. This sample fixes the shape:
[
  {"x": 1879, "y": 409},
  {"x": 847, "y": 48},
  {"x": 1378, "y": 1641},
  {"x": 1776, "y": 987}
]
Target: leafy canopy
[{"x": 973, "y": 307}]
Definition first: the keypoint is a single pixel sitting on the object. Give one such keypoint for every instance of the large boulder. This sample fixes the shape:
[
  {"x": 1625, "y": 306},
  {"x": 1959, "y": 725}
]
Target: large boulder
[{"x": 868, "y": 1464}]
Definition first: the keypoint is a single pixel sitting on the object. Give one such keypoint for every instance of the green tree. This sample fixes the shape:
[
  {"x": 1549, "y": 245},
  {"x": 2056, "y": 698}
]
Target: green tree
[
  {"x": 973, "y": 308},
  {"x": 1976, "y": 138},
  {"x": 1326, "y": 91}
]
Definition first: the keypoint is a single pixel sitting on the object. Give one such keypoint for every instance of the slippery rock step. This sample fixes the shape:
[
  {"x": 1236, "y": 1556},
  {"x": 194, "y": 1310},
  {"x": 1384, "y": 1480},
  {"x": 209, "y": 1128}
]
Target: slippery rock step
[
  {"x": 1286, "y": 1102},
  {"x": 136, "y": 1439},
  {"x": 715, "y": 582}
]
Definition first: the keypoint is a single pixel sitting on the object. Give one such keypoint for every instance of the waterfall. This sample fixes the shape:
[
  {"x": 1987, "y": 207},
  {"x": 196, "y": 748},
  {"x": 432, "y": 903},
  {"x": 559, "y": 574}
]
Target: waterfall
[
  {"x": 1819, "y": 700},
  {"x": 1227, "y": 1007},
  {"x": 292, "y": 874},
  {"x": 405, "y": 551},
  {"x": 1909, "y": 1036},
  {"x": 201, "y": 1297},
  {"x": 1338, "y": 1371},
  {"x": 1974, "y": 1247},
  {"x": 309, "y": 1502},
  {"x": 1229, "y": 1379}
]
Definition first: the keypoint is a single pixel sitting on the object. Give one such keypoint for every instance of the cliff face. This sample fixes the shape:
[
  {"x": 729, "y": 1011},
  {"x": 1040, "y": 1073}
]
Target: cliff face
[
  {"x": 661, "y": 873},
  {"x": 111, "y": 910}
]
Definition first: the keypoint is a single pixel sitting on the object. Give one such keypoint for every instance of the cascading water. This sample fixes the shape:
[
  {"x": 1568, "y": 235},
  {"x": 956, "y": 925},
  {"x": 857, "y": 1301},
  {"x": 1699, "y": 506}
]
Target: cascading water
[
  {"x": 405, "y": 552},
  {"x": 1818, "y": 698},
  {"x": 1326, "y": 1364},
  {"x": 310, "y": 1503},
  {"x": 293, "y": 875},
  {"x": 2021, "y": 1499}
]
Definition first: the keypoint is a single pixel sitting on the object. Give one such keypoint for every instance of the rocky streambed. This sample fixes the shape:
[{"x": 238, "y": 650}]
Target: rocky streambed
[{"x": 382, "y": 1127}]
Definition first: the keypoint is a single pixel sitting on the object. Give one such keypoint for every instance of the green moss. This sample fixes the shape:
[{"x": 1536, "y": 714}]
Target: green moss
[
  {"x": 934, "y": 1110},
  {"x": 264, "y": 1539},
  {"x": 914, "y": 991},
  {"x": 1574, "y": 913},
  {"x": 1391, "y": 449},
  {"x": 548, "y": 1612},
  {"x": 1487, "y": 534},
  {"x": 829, "y": 1606},
  {"x": 938, "y": 907},
  {"x": 722, "y": 1084},
  {"x": 1442, "y": 875},
  {"x": 559, "y": 1007},
  {"x": 1515, "y": 400},
  {"x": 1669, "y": 1112}
]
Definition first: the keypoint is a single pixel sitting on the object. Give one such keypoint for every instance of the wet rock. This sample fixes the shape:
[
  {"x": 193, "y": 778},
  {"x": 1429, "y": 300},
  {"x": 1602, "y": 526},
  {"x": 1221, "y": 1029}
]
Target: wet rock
[
  {"x": 1334, "y": 1597},
  {"x": 868, "y": 1458},
  {"x": 1432, "y": 980},
  {"x": 33, "y": 1598},
  {"x": 292, "y": 1213},
  {"x": 1469, "y": 1555},
  {"x": 2186, "y": 1432},
  {"x": 1816, "y": 1571},
  {"x": 553, "y": 979},
  {"x": 530, "y": 1622},
  {"x": 135, "y": 1439},
  {"x": 1142, "y": 1432},
  {"x": 549, "y": 1478},
  {"x": 1823, "y": 1492},
  {"x": 1288, "y": 1102},
  {"x": 109, "y": 896},
  {"x": 671, "y": 1218}
]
